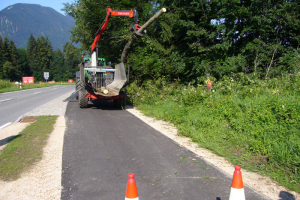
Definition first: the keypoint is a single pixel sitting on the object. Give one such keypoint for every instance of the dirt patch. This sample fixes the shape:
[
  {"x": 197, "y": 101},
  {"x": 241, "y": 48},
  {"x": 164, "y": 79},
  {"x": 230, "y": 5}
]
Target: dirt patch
[{"x": 28, "y": 119}]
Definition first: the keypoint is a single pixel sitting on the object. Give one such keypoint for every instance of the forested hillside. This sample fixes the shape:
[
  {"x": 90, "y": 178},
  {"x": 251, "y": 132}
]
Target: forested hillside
[
  {"x": 19, "y": 21},
  {"x": 38, "y": 57},
  {"x": 197, "y": 37}
]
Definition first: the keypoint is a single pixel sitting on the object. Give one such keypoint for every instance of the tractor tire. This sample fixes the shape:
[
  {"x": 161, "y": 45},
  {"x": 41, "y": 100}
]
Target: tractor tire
[
  {"x": 83, "y": 101},
  {"x": 121, "y": 102}
]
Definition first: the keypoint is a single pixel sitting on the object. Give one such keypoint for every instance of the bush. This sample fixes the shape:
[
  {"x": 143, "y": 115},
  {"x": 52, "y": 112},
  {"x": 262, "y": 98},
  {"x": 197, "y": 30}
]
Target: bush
[{"x": 4, "y": 84}]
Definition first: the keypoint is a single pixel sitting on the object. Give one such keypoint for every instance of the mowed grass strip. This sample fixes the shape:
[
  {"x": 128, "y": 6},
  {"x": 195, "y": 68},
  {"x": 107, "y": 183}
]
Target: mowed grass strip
[
  {"x": 25, "y": 149},
  {"x": 6, "y": 86}
]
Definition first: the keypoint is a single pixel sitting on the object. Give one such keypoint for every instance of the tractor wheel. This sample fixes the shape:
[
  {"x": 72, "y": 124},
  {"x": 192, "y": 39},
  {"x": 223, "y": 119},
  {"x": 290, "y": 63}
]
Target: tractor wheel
[
  {"x": 83, "y": 101},
  {"x": 121, "y": 102}
]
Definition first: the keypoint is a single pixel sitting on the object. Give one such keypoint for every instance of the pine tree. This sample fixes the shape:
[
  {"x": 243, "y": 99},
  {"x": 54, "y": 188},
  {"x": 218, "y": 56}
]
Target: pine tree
[
  {"x": 1, "y": 56},
  {"x": 44, "y": 55},
  {"x": 15, "y": 60},
  {"x": 6, "y": 52},
  {"x": 32, "y": 55},
  {"x": 57, "y": 65},
  {"x": 24, "y": 63},
  {"x": 72, "y": 60}
]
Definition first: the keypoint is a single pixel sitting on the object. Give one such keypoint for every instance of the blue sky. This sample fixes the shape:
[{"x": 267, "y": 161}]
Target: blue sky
[{"x": 55, "y": 4}]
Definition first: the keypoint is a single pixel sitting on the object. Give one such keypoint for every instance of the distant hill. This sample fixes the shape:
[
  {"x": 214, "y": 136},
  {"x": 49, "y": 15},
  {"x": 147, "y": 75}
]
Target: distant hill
[{"x": 18, "y": 21}]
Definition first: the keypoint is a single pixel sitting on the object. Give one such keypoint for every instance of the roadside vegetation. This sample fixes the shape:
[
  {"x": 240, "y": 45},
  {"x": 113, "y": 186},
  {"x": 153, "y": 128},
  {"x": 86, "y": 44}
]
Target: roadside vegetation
[
  {"x": 252, "y": 122},
  {"x": 7, "y": 86},
  {"x": 25, "y": 149}
]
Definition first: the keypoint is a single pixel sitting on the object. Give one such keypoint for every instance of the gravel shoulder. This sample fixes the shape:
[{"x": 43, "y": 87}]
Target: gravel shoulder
[{"x": 43, "y": 181}]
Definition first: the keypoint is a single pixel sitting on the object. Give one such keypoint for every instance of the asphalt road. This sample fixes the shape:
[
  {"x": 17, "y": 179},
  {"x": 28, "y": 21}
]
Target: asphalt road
[
  {"x": 102, "y": 145},
  {"x": 15, "y": 104}
]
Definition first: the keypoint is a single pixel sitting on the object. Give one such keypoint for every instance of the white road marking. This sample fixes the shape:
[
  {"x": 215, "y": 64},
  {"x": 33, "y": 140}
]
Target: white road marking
[
  {"x": 19, "y": 119},
  {"x": 5, "y": 125},
  {"x": 5, "y": 100},
  {"x": 37, "y": 92}
]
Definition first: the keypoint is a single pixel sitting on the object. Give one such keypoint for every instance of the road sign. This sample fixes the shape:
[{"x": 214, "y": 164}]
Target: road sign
[{"x": 46, "y": 75}]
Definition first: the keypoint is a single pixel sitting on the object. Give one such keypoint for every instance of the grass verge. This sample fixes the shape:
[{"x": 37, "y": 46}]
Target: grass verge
[
  {"x": 253, "y": 123},
  {"x": 6, "y": 86},
  {"x": 25, "y": 149}
]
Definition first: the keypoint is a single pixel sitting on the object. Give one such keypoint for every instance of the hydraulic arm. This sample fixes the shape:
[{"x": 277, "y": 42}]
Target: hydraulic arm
[{"x": 109, "y": 12}]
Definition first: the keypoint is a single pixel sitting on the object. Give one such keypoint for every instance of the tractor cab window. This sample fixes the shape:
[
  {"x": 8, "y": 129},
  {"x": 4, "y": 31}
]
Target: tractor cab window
[{"x": 101, "y": 62}]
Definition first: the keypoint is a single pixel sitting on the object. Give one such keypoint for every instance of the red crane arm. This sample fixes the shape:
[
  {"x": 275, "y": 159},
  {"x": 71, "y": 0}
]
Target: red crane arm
[{"x": 109, "y": 12}]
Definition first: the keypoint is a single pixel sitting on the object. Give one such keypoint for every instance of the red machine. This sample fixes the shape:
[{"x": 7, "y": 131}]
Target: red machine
[{"x": 109, "y": 12}]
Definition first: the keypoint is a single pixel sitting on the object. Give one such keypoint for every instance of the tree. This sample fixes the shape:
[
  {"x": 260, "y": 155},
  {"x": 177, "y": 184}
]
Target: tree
[
  {"x": 24, "y": 63},
  {"x": 15, "y": 60},
  {"x": 32, "y": 55},
  {"x": 72, "y": 60},
  {"x": 44, "y": 56},
  {"x": 1, "y": 55},
  {"x": 57, "y": 66},
  {"x": 9, "y": 71},
  {"x": 89, "y": 15}
]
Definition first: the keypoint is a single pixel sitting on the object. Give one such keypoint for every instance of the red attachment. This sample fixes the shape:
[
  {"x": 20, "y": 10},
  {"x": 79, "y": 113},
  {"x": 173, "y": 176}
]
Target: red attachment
[
  {"x": 137, "y": 27},
  {"x": 126, "y": 13},
  {"x": 94, "y": 96},
  {"x": 110, "y": 12}
]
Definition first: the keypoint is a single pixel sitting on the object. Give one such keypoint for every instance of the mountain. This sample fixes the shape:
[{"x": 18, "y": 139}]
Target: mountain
[{"x": 18, "y": 21}]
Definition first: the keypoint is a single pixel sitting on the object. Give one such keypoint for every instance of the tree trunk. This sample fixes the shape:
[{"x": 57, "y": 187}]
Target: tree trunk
[
  {"x": 268, "y": 70},
  {"x": 255, "y": 61}
]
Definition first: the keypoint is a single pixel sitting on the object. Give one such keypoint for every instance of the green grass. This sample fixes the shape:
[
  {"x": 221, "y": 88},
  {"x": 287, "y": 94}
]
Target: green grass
[
  {"x": 25, "y": 149},
  {"x": 6, "y": 86},
  {"x": 253, "y": 123}
]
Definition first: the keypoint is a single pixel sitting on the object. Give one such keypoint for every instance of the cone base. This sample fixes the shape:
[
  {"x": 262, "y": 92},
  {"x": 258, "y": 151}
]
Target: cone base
[
  {"x": 132, "y": 199},
  {"x": 237, "y": 194}
]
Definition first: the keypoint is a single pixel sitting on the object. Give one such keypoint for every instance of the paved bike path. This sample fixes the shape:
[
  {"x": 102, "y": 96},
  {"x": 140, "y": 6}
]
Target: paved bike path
[{"x": 102, "y": 145}]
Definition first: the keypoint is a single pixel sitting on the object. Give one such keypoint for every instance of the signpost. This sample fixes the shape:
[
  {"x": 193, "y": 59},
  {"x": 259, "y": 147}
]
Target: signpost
[{"x": 46, "y": 76}]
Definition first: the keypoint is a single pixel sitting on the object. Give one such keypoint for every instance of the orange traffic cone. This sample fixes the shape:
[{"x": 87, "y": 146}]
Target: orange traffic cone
[
  {"x": 131, "y": 192},
  {"x": 237, "y": 188}
]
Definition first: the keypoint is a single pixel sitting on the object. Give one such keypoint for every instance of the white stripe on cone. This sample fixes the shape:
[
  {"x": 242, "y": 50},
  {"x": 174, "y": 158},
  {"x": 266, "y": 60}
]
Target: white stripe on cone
[
  {"x": 237, "y": 194},
  {"x": 132, "y": 199}
]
